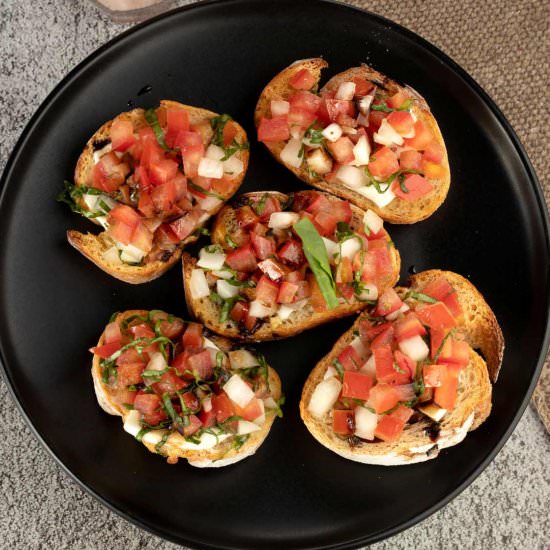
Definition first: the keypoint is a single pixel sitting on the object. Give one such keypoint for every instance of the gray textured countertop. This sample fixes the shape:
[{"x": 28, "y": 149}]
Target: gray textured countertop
[{"x": 507, "y": 506}]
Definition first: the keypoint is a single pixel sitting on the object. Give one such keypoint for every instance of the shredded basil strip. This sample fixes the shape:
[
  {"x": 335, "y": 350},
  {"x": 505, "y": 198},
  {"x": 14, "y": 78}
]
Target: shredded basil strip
[
  {"x": 226, "y": 304},
  {"x": 440, "y": 348},
  {"x": 421, "y": 297},
  {"x": 339, "y": 367},
  {"x": 240, "y": 440},
  {"x": 343, "y": 230},
  {"x": 219, "y": 359},
  {"x": 218, "y": 124},
  {"x": 316, "y": 255},
  {"x": 161, "y": 443},
  {"x": 201, "y": 231},
  {"x": 385, "y": 109},
  {"x": 314, "y": 135},
  {"x": 170, "y": 409},
  {"x": 200, "y": 189},
  {"x": 260, "y": 205},
  {"x": 231, "y": 242},
  {"x": 141, "y": 433},
  {"x": 153, "y": 121},
  {"x": 128, "y": 406},
  {"x": 418, "y": 383},
  {"x": 235, "y": 146},
  {"x": 71, "y": 193},
  {"x": 401, "y": 179}
]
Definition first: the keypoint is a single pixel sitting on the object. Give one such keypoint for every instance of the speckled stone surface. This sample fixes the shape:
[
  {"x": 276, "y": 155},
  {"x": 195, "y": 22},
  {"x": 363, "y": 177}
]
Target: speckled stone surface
[{"x": 505, "y": 46}]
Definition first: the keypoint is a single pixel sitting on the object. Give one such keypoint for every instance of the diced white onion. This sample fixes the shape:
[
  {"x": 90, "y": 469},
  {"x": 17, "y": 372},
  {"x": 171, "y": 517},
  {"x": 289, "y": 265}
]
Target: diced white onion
[
  {"x": 153, "y": 437},
  {"x": 291, "y": 153},
  {"x": 261, "y": 418},
  {"x": 350, "y": 247},
  {"x": 369, "y": 367},
  {"x": 415, "y": 348},
  {"x": 208, "y": 204},
  {"x": 226, "y": 290},
  {"x": 372, "y": 221},
  {"x": 330, "y": 372},
  {"x": 233, "y": 165},
  {"x": 210, "y": 168},
  {"x": 209, "y": 344},
  {"x": 242, "y": 359},
  {"x": 324, "y": 396},
  {"x": 358, "y": 346},
  {"x": 296, "y": 132},
  {"x": 346, "y": 91},
  {"x": 103, "y": 151},
  {"x": 368, "y": 292},
  {"x": 198, "y": 285},
  {"x": 351, "y": 176},
  {"x": 387, "y": 135},
  {"x": 332, "y": 132},
  {"x": 365, "y": 423},
  {"x": 129, "y": 253},
  {"x": 362, "y": 120},
  {"x": 132, "y": 423},
  {"x": 211, "y": 260},
  {"x": 223, "y": 273},
  {"x": 238, "y": 391},
  {"x": 286, "y": 310},
  {"x": 245, "y": 427},
  {"x": 214, "y": 152},
  {"x": 257, "y": 309},
  {"x": 393, "y": 316},
  {"x": 365, "y": 103},
  {"x": 207, "y": 404},
  {"x": 348, "y": 130},
  {"x": 269, "y": 402},
  {"x": 279, "y": 107},
  {"x": 361, "y": 152},
  {"x": 283, "y": 220},
  {"x": 380, "y": 199},
  {"x": 111, "y": 256},
  {"x": 157, "y": 363},
  {"x": 332, "y": 249}
]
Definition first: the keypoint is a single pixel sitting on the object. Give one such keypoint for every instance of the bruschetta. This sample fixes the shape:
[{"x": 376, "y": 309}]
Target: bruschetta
[
  {"x": 152, "y": 179},
  {"x": 363, "y": 137},
  {"x": 184, "y": 393},
  {"x": 406, "y": 380},
  {"x": 280, "y": 264}
]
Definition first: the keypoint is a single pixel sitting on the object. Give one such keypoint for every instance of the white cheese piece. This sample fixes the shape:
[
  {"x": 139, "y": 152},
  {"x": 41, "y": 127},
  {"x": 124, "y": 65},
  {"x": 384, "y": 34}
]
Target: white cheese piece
[{"x": 380, "y": 199}]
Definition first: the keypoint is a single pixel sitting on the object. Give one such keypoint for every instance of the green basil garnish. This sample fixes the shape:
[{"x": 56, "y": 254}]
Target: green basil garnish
[
  {"x": 153, "y": 121},
  {"x": 200, "y": 189}
]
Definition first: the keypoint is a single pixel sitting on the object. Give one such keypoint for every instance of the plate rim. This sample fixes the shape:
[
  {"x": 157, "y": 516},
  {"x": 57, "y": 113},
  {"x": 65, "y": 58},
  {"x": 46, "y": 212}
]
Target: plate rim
[{"x": 487, "y": 101}]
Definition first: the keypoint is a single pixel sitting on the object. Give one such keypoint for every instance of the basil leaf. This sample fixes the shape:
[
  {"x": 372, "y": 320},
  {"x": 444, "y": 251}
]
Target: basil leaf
[
  {"x": 169, "y": 408},
  {"x": 153, "y": 121},
  {"x": 161, "y": 443},
  {"x": 200, "y": 189},
  {"x": 339, "y": 367},
  {"x": 421, "y": 297},
  {"x": 235, "y": 146},
  {"x": 71, "y": 193},
  {"x": 316, "y": 255},
  {"x": 260, "y": 205},
  {"x": 141, "y": 433},
  {"x": 231, "y": 242},
  {"x": 218, "y": 124}
]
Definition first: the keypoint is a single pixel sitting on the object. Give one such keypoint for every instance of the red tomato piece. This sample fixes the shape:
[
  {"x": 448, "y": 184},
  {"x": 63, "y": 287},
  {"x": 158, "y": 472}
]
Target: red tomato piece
[
  {"x": 300, "y": 117},
  {"x": 316, "y": 300},
  {"x": 341, "y": 149},
  {"x": 362, "y": 86},
  {"x": 230, "y": 131},
  {"x": 145, "y": 204},
  {"x": 246, "y": 217},
  {"x": 445, "y": 395},
  {"x": 438, "y": 338},
  {"x": 368, "y": 331},
  {"x": 391, "y": 426},
  {"x": 184, "y": 226},
  {"x": 343, "y": 422},
  {"x": 274, "y": 129},
  {"x": 401, "y": 121},
  {"x": 242, "y": 259},
  {"x": 349, "y": 359},
  {"x": 162, "y": 171},
  {"x": 356, "y": 385},
  {"x": 408, "y": 327},
  {"x": 147, "y": 403},
  {"x": 457, "y": 353},
  {"x": 416, "y": 185},
  {"x": 305, "y": 100},
  {"x": 396, "y": 101},
  {"x": 422, "y": 137},
  {"x": 410, "y": 160},
  {"x": 382, "y": 398},
  {"x": 263, "y": 246},
  {"x": 169, "y": 326},
  {"x": 112, "y": 333},
  {"x": 270, "y": 205},
  {"x": 335, "y": 107},
  {"x": 223, "y": 407},
  {"x": 165, "y": 234},
  {"x": 434, "y": 375},
  {"x": 177, "y": 120},
  {"x": 238, "y": 312},
  {"x": 291, "y": 253},
  {"x": 208, "y": 419},
  {"x": 273, "y": 269},
  {"x": 267, "y": 291},
  {"x": 344, "y": 271},
  {"x": 303, "y": 80},
  {"x": 325, "y": 222},
  {"x": 253, "y": 410},
  {"x": 106, "y": 350},
  {"x": 385, "y": 367},
  {"x": 434, "y": 152},
  {"x": 384, "y": 338},
  {"x": 122, "y": 135},
  {"x": 375, "y": 119},
  {"x": 383, "y": 163},
  {"x": 436, "y": 316},
  {"x": 142, "y": 330},
  {"x": 287, "y": 293},
  {"x": 194, "y": 426},
  {"x": 304, "y": 291},
  {"x": 201, "y": 364},
  {"x": 169, "y": 383},
  {"x": 388, "y": 302},
  {"x": 192, "y": 337},
  {"x": 405, "y": 364}
]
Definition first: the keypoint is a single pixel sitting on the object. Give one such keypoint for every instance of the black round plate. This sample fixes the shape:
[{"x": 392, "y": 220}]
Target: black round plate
[{"x": 293, "y": 493}]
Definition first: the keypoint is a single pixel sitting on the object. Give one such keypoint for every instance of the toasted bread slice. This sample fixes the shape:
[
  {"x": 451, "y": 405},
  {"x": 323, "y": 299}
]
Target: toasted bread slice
[
  {"x": 176, "y": 446},
  {"x": 208, "y": 313},
  {"x": 398, "y": 211},
  {"x": 473, "y": 403},
  {"x": 94, "y": 246}
]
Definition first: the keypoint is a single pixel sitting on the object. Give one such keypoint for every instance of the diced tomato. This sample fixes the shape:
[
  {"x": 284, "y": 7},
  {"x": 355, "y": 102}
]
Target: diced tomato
[
  {"x": 180, "y": 364},
  {"x": 250, "y": 323},
  {"x": 342, "y": 422},
  {"x": 147, "y": 403},
  {"x": 109, "y": 173},
  {"x": 184, "y": 226},
  {"x": 194, "y": 426},
  {"x": 302, "y": 80},
  {"x": 341, "y": 149},
  {"x": 416, "y": 185},
  {"x": 192, "y": 150},
  {"x": 401, "y": 121},
  {"x": 362, "y": 86},
  {"x": 273, "y": 269},
  {"x": 438, "y": 338},
  {"x": 349, "y": 358},
  {"x": 122, "y": 135},
  {"x": 441, "y": 290},
  {"x": 287, "y": 293},
  {"x": 445, "y": 395},
  {"x": 316, "y": 300},
  {"x": 436, "y": 316},
  {"x": 142, "y": 330},
  {"x": 335, "y": 107},
  {"x": 383, "y": 163},
  {"x": 253, "y": 410},
  {"x": 124, "y": 214},
  {"x": 242, "y": 259},
  {"x": 434, "y": 375},
  {"x": 230, "y": 131},
  {"x": 208, "y": 419},
  {"x": 169, "y": 383},
  {"x": 125, "y": 395},
  {"x": 165, "y": 233},
  {"x": 342, "y": 210},
  {"x": 388, "y": 302},
  {"x": 382, "y": 398},
  {"x": 192, "y": 337},
  {"x": 201, "y": 364},
  {"x": 274, "y": 129},
  {"x": 305, "y": 100},
  {"x": 164, "y": 196},
  {"x": 386, "y": 370},
  {"x": 270, "y": 205},
  {"x": 162, "y": 171},
  {"x": 320, "y": 203},
  {"x": 405, "y": 364},
  {"x": 356, "y": 385},
  {"x": 263, "y": 246},
  {"x": 112, "y": 333},
  {"x": 151, "y": 151},
  {"x": 291, "y": 253},
  {"x": 345, "y": 290},
  {"x": 177, "y": 120},
  {"x": 396, "y": 101},
  {"x": 390, "y": 426},
  {"x": 145, "y": 204},
  {"x": 384, "y": 338},
  {"x": 422, "y": 137},
  {"x": 300, "y": 117},
  {"x": 129, "y": 356},
  {"x": 205, "y": 131},
  {"x": 304, "y": 291},
  {"x": 408, "y": 327},
  {"x": 106, "y": 350},
  {"x": 246, "y": 217},
  {"x": 325, "y": 222},
  {"x": 169, "y": 326},
  {"x": 142, "y": 238},
  {"x": 458, "y": 353},
  {"x": 238, "y": 312},
  {"x": 434, "y": 152},
  {"x": 433, "y": 171},
  {"x": 267, "y": 291},
  {"x": 296, "y": 276},
  {"x": 368, "y": 331},
  {"x": 375, "y": 120},
  {"x": 410, "y": 160},
  {"x": 346, "y": 120},
  {"x": 344, "y": 271},
  {"x": 223, "y": 407}
]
